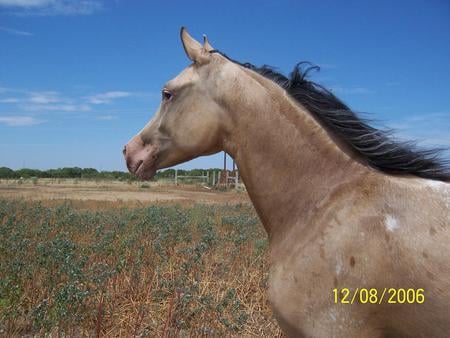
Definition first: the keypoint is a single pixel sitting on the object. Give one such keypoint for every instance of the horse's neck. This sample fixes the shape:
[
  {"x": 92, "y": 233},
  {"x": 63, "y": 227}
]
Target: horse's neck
[{"x": 287, "y": 161}]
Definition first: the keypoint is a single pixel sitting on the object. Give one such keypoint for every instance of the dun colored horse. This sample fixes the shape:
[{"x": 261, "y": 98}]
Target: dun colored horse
[{"x": 358, "y": 223}]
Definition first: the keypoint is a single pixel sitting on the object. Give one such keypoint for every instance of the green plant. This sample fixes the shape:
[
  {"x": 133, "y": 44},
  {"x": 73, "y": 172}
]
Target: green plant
[{"x": 132, "y": 271}]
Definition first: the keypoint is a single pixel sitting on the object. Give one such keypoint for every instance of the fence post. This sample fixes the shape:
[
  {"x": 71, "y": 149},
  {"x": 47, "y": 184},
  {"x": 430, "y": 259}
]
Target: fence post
[{"x": 176, "y": 176}]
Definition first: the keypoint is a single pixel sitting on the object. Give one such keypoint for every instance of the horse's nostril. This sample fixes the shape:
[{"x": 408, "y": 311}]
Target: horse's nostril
[{"x": 124, "y": 151}]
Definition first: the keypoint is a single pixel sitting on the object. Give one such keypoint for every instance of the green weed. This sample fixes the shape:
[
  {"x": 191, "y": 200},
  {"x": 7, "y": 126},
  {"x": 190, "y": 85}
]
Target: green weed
[{"x": 159, "y": 270}]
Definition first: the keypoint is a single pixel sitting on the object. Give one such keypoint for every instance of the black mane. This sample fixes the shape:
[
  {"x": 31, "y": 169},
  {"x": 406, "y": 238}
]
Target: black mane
[{"x": 376, "y": 146}]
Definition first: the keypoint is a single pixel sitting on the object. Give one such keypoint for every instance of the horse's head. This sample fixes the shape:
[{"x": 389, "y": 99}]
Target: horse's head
[{"x": 190, "y": 118}]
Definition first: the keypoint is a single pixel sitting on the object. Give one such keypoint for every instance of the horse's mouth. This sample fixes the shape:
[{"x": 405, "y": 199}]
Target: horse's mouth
[
  {"x": 145, "y": 172},
  {"x": 141, "y": 159}
]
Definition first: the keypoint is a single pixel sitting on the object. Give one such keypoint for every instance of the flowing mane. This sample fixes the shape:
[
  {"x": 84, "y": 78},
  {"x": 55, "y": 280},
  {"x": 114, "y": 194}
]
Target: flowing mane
[{"x": 377, "y": 147}]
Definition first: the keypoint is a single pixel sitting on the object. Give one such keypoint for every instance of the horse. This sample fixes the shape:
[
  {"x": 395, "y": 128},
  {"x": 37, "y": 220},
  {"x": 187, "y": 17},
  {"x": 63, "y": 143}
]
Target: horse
[{"x": 358, "y": 222}]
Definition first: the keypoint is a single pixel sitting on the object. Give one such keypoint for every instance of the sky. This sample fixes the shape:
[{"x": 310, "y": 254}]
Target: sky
[{"x": 79, "y": 78}]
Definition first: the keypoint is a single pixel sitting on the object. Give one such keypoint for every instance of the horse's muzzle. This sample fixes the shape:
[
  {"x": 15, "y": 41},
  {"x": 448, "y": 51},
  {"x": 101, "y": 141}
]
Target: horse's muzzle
[{"x": 141, "y": 158}]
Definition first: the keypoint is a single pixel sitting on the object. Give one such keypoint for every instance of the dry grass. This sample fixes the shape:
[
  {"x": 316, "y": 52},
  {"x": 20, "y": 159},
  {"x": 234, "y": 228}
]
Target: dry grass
[
  {"x": 107, "y": 269},
  {"x": 114, "y": 191}
]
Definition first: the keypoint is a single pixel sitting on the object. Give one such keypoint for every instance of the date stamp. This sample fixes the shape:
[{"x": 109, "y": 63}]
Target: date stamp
[{"x": 378, "y": 296}]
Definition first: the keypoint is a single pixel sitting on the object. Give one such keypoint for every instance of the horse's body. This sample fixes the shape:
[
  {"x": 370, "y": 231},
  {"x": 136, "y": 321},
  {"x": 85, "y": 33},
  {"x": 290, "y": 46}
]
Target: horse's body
[
  {"x": 382, "y": 241},
  {"x": 333, "y": 221}
]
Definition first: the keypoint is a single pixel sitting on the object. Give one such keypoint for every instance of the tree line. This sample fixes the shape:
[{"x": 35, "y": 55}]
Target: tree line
[{"x": 92, "y": 173}]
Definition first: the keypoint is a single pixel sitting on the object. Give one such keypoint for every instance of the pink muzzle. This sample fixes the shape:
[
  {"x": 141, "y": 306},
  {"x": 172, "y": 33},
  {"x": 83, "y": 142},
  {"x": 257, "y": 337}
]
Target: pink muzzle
[{"x": 141, "y": 158}]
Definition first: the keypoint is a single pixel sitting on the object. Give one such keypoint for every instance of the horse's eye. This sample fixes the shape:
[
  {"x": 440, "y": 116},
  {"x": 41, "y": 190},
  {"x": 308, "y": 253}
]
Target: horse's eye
[{"x": 166, "y": 95}]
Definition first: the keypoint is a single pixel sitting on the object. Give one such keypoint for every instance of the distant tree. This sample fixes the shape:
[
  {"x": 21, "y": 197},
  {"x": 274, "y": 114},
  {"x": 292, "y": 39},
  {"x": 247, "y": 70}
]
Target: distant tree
[
  {"x": 7, "y": 173},
  {"x": 89, "y": 173},
  {"x": 74, "y": 172},
  {"x": 92, "y": 173},
  {"x": 28, "y": 173},
  {"x": 196, "y": 172},
  {"x": 168, "y": 173}
]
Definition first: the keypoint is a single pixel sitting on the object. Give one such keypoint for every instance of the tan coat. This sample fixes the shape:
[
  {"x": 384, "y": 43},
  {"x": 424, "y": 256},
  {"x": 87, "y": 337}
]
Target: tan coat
[{"x": 333, "y": 221}]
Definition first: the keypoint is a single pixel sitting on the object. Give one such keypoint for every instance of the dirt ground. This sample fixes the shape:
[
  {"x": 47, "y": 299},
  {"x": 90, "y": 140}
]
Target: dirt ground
[{"x": 116, "y": 191}]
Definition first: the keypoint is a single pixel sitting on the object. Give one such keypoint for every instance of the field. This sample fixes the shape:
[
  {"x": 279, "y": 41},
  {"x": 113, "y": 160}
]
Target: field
[
  {"x": 119, "y": 259},
  {"x": 117, "y": 191}
]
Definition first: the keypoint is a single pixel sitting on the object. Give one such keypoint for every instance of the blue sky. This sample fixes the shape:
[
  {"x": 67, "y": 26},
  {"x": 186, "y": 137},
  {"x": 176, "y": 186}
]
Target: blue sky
[{"x": 80, "y": 78}]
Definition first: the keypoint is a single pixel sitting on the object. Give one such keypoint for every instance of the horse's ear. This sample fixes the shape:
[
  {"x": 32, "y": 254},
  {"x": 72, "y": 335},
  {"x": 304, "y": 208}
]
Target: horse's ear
[
  {"x": 206, "y": 45},
  {"x": 193, "y": 48}
]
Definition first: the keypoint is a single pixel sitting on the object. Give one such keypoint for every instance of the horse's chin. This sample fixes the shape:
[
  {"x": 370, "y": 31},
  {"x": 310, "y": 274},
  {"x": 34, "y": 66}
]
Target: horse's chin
[{"x": 145, "y": 172}]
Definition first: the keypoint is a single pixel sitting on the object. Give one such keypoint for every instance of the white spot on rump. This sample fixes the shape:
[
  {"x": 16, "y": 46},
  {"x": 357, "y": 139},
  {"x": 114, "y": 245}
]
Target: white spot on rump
[
  {"x": 339, "y": 266},
  {"x": 390, "y": 223}
]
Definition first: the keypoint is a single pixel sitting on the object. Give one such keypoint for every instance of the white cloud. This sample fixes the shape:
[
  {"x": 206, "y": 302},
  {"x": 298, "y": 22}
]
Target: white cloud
[
  {"x": 52, "y": 7},
  {"x": 25, "y": 3},
  {"x": 64, "y": 107},
  {"x": 17, "y": 121},
  {"x": 44, "y": 97},
  {"x": 47, "y": 101},
  {"x": 107, "y": 97},
  {"x": 9, "y": 100},
  {"x": 51, "y": 101},
  {"x": 4, "y": 89},
  {"x": 15, "y": 31}
]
